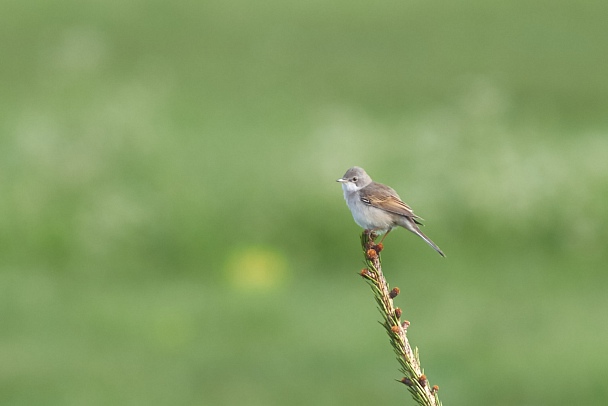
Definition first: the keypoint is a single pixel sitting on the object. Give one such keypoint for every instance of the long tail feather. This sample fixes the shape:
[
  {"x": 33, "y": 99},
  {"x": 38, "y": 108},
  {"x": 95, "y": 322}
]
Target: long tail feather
[{"x": 414, "y": 229}]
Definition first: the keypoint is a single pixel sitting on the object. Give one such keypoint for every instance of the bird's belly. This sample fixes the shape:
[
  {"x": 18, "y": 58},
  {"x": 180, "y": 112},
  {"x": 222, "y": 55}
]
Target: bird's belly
[{"x": 371, "y": 218}]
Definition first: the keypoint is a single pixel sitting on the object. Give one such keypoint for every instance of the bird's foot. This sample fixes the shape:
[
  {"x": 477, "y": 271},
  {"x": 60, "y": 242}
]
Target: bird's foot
[
  {"x": 371, "y": 241},
  {"x": 371, "y": 234}
]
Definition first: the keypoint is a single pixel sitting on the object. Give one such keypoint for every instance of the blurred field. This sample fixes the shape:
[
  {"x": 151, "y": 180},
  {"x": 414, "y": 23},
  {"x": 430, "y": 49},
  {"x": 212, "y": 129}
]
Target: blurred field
[{"x": 172, "y": 233}]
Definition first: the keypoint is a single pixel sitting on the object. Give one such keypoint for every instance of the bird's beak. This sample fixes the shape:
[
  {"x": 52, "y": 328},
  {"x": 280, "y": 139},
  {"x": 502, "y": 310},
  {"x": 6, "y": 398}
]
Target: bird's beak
[{"x": 342, "y": 180}]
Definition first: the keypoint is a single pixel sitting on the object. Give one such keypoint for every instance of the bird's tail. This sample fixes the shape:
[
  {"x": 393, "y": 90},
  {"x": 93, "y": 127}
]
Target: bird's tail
[{"x": 410, "y": 225}]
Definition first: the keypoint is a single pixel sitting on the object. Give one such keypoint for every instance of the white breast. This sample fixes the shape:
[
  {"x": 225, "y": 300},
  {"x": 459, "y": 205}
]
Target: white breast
[{"x": 367, "y": 217}]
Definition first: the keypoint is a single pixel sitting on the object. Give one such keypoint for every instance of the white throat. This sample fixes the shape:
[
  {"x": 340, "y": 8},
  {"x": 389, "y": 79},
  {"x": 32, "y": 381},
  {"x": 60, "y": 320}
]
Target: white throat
[{"x": 350, "y": 187}]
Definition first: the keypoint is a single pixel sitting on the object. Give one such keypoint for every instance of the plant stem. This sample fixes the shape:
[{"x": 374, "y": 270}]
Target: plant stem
[{"x": 414, "y": 377}]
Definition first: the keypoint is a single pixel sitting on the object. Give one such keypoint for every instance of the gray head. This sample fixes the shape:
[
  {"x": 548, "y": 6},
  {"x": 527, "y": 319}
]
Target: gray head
[{"x": 354, "y": 179}]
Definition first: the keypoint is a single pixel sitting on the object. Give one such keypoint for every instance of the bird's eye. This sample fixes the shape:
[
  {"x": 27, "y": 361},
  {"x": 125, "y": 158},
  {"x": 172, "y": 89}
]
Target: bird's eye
[{"x": 355, "y": 179}]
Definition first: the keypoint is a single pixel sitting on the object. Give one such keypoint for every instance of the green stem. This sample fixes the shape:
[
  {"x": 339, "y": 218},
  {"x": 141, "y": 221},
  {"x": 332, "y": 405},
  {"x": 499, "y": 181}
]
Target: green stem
[{"x": 414, "y": 378}]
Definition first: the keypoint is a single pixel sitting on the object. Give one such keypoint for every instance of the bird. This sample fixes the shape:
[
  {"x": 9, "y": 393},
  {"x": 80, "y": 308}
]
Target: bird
[{"x": 377, "y": 207}]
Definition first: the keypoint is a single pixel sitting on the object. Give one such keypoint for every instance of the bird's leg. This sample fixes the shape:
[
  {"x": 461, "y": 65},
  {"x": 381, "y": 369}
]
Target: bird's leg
[
  {"x": 384, "y": 236},
  {"x": 371, "y": 236}
]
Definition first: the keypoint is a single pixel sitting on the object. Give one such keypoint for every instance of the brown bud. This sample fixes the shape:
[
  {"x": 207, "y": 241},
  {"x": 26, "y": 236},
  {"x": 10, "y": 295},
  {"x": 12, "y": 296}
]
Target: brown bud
[
  {"x": 394, "y": 292},
  {"x": 379, "y": 247},
  {"x": 422, "y": 380},
  {"x": 372, "y": 254},
  {"x": 398, "y": 313},
  {"x": 395, "y": 329},
  {"x": 434, "y": 389},
  {"x": 406, "y": 381}
]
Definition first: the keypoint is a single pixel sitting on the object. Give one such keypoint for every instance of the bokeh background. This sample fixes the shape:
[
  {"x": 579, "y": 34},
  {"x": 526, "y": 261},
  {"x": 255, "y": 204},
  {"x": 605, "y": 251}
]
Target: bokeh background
[{"x": 171, "y": 232}]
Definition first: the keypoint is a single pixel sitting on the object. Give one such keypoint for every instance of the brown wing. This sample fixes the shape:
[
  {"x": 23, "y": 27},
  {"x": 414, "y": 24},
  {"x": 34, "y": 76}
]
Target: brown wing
[{"x": 385, "y": 198}]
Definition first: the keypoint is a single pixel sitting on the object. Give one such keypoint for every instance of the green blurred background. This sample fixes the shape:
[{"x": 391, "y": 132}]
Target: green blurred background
[{"x": 172, "y": 233}]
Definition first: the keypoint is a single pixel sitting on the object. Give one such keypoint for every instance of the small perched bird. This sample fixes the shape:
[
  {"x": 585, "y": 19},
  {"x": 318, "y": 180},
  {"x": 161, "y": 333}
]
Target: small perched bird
[{"x": 377, "y": 207}]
